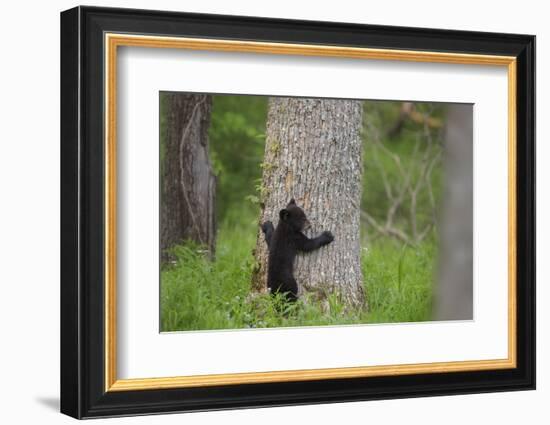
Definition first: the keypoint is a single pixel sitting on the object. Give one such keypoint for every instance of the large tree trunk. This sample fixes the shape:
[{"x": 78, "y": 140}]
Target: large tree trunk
[
  {"x": 313, "y": 154},
  {"x": 454, "y": 293},
  {"x": 188, "y": 183}
]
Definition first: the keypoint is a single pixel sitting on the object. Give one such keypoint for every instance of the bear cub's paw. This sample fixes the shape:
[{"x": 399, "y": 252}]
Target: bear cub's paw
[
  {"x": 266, "y": 226},
  {"x": 327, "y": 236}
]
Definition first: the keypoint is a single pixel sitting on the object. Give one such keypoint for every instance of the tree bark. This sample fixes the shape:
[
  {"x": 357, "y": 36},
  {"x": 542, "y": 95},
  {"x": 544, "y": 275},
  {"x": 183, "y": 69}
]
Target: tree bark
[
  {"x": 188, "y": 183},
  {"x": 454, "y": 293},
  {"x": 313, "y": 154}
]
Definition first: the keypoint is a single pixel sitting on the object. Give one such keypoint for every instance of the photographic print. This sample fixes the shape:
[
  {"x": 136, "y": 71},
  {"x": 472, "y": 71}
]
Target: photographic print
[
  {"x": 289, "y": 211},
  {"x": 330, "y": 197}
]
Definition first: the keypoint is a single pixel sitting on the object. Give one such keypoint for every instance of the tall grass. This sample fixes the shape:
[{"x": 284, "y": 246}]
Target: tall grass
[{"x": 199, "y": 294}]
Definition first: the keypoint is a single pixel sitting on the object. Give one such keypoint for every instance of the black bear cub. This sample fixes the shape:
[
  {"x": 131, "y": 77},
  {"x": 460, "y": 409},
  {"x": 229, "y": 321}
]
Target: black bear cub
[{"x": 283, "y": 243}]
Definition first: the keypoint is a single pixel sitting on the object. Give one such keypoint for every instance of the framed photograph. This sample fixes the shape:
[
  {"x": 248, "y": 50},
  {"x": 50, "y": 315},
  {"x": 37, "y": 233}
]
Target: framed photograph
[{"x": 261, "y": 212}]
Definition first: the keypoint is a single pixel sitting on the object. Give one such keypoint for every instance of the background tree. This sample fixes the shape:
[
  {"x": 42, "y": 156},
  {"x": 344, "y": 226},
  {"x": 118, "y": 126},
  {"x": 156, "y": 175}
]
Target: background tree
[
  {"x": 313, "y": 154},
  {"x": 454, "y": 294},
  {"x": 188, "y": 184}
]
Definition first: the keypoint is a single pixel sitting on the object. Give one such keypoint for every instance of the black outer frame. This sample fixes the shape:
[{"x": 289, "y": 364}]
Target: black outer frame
[{"x": 82, "y": 214}]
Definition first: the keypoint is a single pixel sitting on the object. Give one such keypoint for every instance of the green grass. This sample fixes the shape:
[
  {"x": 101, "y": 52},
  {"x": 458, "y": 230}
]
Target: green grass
[{"x": 199, "y": 294}]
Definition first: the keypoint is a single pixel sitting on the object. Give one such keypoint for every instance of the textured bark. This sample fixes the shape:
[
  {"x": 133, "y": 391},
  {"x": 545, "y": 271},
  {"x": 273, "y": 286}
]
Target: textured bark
[
  {"x": 454, "y": 297},
  {"x": 313, "y": 154},
  {"x": 188, "y": 183}
]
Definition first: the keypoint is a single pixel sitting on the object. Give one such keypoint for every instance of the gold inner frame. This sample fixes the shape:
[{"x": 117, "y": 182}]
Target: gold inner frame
[{"x": 113, "y": 41}]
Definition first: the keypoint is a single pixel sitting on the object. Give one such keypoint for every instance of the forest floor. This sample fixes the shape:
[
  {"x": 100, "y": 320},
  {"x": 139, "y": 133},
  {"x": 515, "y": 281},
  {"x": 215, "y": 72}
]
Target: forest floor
[{"x": 199, "y": 294}]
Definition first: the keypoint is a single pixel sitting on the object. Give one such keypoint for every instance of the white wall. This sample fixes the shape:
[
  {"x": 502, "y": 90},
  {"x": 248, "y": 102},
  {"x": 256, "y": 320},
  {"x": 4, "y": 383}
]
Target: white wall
[{"x": 29, "y": 225}]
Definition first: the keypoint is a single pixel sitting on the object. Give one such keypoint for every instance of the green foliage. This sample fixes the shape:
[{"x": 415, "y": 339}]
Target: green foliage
[
  {"x": 399, "y": 281},
  {"x": 198, "y": 294},
  {"x": 403, "y": 161},
  {"x": 237, "y": 139}
]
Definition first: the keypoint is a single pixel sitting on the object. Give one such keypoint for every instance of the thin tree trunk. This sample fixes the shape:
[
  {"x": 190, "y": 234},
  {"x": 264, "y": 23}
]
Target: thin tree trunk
[
  {"x": 188, "y": 183},
  {"x": 454, "y": 294},
  {"x": 313, "y": 154}
]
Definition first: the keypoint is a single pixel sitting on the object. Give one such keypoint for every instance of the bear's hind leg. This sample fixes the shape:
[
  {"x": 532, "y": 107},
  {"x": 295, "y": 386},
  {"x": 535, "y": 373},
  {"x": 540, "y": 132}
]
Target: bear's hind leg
[{"x": 291, "y": 289}]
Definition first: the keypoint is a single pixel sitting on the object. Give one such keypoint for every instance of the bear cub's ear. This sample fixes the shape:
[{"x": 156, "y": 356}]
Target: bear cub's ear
[
  {"x": 292, "y": 202},
  {"x": 283, "y": 214}
]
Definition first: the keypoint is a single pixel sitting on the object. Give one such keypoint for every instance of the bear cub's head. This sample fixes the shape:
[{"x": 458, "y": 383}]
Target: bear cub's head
[{"x": 294, "y": 217}]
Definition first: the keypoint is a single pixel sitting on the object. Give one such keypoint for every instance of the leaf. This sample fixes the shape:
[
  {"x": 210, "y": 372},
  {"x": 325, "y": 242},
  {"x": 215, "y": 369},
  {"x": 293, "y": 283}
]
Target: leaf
[{"x": 252, "y": 198}]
